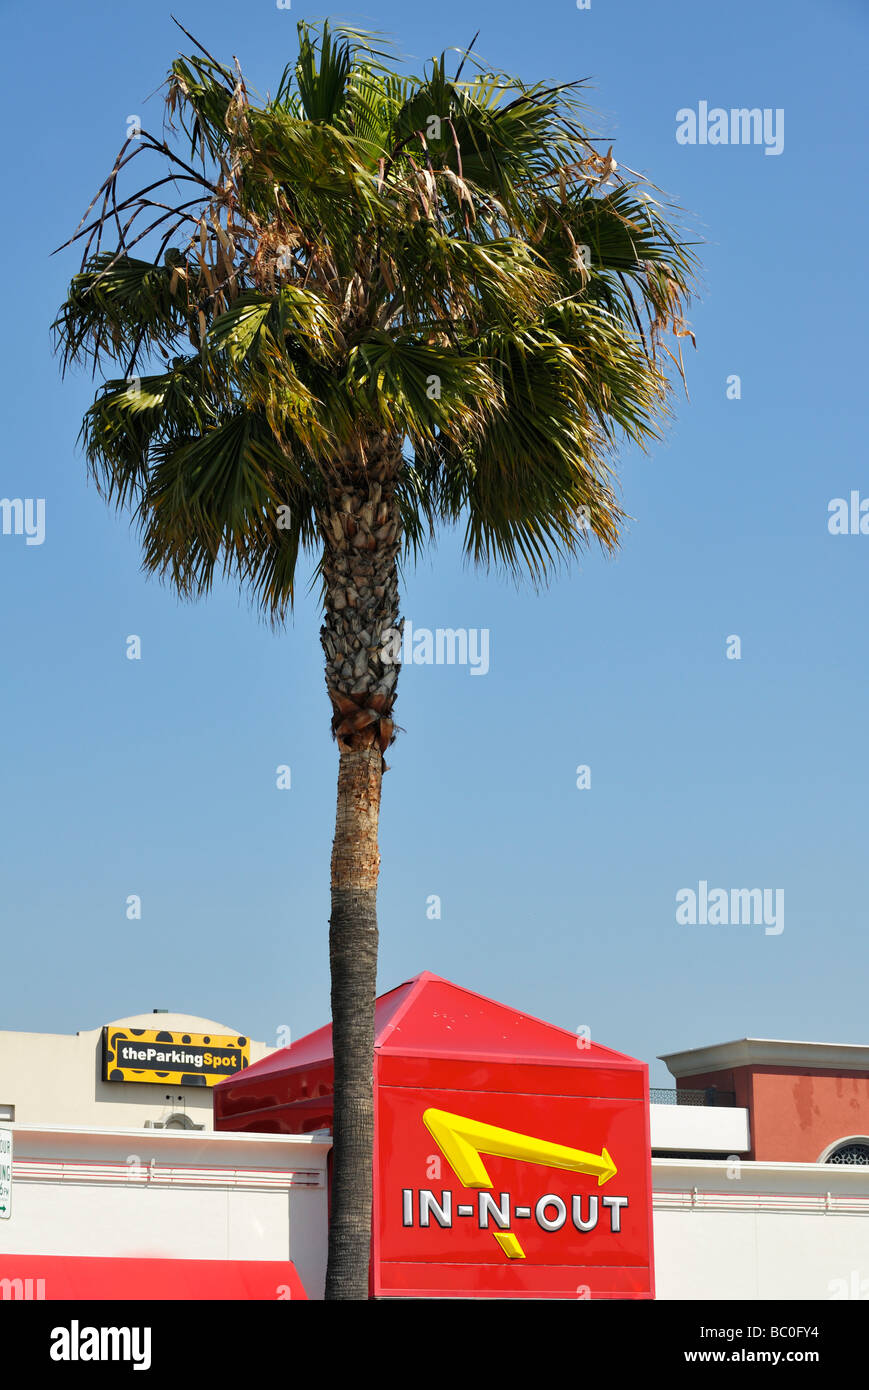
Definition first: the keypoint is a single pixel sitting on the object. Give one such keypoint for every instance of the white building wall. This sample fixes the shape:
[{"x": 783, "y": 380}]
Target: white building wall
[
  {"x": 760, "y": 1230},
  {"x": 699, "y": 1128},
  {"x": 722, "y": 1230},
  {"x": 174, "y": 1194}
]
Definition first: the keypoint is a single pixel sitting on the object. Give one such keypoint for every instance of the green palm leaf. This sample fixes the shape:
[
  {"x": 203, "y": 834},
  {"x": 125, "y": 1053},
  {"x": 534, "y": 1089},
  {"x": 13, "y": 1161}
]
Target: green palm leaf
[{"x": 483, "y": 288}]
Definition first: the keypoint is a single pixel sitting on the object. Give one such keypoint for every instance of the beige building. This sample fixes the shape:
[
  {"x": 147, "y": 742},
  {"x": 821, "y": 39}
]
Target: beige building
[{"x": 90, "y": 1078}]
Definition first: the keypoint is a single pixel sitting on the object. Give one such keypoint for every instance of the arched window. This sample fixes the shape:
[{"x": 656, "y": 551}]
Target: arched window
[
  {"x": 854, "y": 1150},
  {"x": 176, "y": 1120},
  {"x": 179, "y": 1121}
]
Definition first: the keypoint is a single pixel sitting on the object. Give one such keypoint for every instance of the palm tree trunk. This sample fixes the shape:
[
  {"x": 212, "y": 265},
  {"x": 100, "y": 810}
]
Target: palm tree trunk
[
  {"x": 353, "y": 963},
  {"x": 360, "y": 527}
]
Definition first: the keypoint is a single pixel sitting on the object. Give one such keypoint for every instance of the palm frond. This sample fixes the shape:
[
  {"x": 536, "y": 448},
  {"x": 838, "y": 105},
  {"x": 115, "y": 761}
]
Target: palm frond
[{"x": 451, "y": 262}]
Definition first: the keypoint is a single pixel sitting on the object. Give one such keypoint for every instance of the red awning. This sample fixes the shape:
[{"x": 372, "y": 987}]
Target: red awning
[{"x": 91, "y": 1277}]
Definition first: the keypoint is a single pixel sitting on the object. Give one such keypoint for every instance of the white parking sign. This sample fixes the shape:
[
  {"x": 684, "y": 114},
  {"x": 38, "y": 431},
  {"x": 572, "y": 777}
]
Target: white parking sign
[{"x": 5, "y": 1172}]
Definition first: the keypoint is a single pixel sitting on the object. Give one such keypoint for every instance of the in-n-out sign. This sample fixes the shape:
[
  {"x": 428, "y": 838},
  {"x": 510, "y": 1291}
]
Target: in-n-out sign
[
  {"x": 512, "y": 1159},
  {"x": 525, "y": 1193},
  {"x": 5, "y": 1173},
  {"x": 422, "y": 1206},
  {"x": 463, "y": 1141}
]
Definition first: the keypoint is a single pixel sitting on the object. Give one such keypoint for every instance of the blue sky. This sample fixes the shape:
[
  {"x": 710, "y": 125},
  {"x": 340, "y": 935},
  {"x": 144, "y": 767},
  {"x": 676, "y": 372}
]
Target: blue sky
[{"x": 157, "y": 777}]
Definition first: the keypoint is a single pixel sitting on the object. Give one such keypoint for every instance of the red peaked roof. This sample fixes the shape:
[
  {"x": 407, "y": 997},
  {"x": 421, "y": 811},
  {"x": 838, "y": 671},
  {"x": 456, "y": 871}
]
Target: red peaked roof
[{"x": 431, "y": 1016}]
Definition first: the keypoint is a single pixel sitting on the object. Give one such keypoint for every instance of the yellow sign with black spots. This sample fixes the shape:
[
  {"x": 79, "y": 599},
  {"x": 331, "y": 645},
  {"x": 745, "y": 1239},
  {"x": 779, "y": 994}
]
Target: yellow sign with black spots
[{"x": 171, "y": 1059}]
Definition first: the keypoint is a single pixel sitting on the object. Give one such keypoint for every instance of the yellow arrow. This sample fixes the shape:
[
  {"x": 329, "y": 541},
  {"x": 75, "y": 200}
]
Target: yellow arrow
[
  {"x": 461, "y": 1141},
  {"x": 509, "y": 1244}
]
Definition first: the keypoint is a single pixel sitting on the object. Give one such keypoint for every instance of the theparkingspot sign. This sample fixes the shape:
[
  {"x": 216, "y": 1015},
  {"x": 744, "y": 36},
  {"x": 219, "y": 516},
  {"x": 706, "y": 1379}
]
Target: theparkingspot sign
[{"x": 175, "y": 1059}]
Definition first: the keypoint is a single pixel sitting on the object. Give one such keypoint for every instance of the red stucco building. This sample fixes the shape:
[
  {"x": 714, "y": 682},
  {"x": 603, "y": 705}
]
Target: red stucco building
[{"x": 807, "y": 1102}]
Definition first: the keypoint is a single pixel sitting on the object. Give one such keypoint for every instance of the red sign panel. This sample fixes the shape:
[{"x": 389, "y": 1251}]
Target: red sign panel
[
  {"x": 511, "y": 1195},
  {"x": 512, "y": 1157}
]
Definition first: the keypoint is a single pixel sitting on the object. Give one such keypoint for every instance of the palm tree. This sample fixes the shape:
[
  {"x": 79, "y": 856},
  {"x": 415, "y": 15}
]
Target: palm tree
[{"x": 371, "y": 304}]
